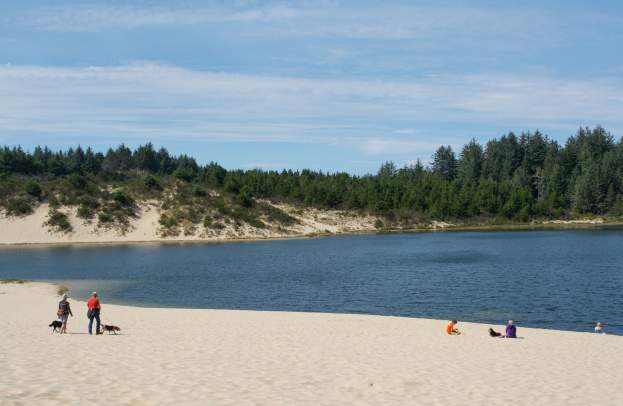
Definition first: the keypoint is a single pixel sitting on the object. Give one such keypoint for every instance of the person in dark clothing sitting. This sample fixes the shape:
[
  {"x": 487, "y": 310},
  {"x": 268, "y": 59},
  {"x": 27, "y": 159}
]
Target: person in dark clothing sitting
[{"x": 511, "y": 330}]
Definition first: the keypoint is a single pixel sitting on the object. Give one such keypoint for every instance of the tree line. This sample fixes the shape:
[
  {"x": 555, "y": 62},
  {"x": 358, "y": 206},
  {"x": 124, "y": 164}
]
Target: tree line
[{"x": 514, "y": 178}]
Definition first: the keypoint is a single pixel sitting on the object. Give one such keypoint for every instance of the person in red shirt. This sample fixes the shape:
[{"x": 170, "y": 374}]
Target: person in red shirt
[{"x": 94, "y": 312}]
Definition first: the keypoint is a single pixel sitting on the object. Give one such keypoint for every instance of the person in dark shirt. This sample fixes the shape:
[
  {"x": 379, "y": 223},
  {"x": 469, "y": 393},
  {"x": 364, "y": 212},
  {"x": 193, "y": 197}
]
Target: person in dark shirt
[
  {"x": 63, "y": 313},
  {"x": 511, "y": 330}
]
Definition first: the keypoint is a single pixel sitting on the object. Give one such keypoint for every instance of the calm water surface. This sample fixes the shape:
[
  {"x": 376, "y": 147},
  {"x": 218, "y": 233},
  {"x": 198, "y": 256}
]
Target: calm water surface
[{"x": 552, "y": 279}]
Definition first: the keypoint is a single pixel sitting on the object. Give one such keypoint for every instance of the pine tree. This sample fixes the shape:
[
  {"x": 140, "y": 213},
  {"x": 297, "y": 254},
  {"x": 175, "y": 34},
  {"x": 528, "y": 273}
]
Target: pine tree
[
  {"x": 444, "y": 162},
  {"x": 470, "y": 163}
]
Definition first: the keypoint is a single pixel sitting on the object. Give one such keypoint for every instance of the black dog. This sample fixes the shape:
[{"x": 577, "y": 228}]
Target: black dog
[
  {"x": 494, "y": 333},
  {"x": 110, "y": 329},
  {"x": 56, "y": 325}
]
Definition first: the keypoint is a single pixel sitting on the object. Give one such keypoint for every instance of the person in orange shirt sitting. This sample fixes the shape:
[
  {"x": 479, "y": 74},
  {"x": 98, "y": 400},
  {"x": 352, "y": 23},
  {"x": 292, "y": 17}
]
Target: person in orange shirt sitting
[{"x": 451, "y": 328}]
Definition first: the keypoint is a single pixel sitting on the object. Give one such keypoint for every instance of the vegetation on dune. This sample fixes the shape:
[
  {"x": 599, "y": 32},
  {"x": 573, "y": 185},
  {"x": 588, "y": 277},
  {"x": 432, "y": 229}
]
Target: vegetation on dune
[
  {"x": 13, "y": 281},
  {"x": 510, "y": 179},
  {"x": 190, "y": 205},
  {"x": 58, "y": 221},
  {"x": 19, "y": 206}
]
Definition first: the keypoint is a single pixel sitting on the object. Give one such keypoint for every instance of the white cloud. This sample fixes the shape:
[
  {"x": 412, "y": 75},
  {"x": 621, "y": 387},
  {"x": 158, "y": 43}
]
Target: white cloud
[
  {"x": 405, "y": 131},
  {"x": 328, "y": 19},
  {"x": 385, "y": 146},
  {"x": 268, "y": 14},
  {"x": 377, "y": 117},
  {"x": 100, "y": 17}
]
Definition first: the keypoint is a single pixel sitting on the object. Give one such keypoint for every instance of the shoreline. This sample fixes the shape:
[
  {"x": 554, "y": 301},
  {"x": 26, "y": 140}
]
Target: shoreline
[
  {"x": 458, "y": 228},
  {"x": 56, "y": 286},
  {"x": 231, "y": 357}
]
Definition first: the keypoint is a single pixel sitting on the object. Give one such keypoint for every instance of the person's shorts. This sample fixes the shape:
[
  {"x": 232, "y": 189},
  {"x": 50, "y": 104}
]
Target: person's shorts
[{"x": 63, "y": 318}]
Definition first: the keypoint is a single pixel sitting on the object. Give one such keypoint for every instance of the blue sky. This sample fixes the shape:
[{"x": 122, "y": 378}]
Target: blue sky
[{"x": 337, "y": 86}]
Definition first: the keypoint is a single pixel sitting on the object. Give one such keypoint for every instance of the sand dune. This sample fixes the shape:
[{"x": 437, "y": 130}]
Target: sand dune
[
  {"x": 31, "y": 229},
  {"x": 213, "y": 357}
]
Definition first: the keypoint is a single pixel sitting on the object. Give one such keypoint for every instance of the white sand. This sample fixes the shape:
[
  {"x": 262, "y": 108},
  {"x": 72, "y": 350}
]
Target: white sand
[
  {"x": 211, "y": 357},
  {"x": 31, "y": 229}
]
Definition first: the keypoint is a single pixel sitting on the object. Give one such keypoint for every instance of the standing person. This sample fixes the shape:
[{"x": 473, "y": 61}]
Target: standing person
[
  {"x": 599, "y": 328},
  {"x": 451, "y": 328},
  {"x": 511, "y": 330},
  {"x": 94, "y": 312},
  {"x": 63, "y": 313}
]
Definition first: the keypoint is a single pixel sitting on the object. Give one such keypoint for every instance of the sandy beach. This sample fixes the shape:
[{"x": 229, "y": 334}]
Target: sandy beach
[{"x": 222, "y": 357}]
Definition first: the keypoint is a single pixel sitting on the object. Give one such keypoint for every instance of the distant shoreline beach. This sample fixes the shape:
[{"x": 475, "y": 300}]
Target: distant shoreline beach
[{"x": 29, "y": 231}]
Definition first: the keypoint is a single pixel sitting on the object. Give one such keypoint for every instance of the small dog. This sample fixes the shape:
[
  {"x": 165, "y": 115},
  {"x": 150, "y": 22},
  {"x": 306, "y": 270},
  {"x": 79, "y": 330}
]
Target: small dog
[
  {"x": 110, "y": 329},
  {"x": 494, "y": 333},
  {"x": 56, "y": 324}
]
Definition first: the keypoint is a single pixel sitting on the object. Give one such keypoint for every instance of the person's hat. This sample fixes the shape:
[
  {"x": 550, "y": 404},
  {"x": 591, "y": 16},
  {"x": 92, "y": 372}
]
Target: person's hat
[{"x": 94, "y": 294}]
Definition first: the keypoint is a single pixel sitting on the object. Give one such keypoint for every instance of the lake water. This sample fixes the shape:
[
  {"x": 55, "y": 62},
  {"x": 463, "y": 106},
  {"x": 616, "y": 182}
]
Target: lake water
[{"x": 550, "y": 279}]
